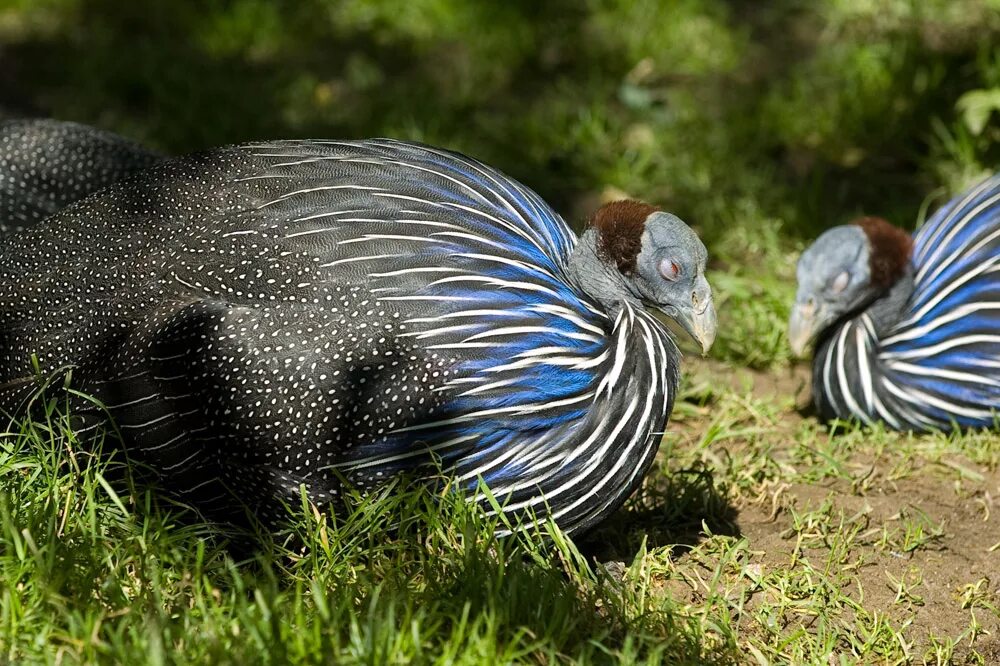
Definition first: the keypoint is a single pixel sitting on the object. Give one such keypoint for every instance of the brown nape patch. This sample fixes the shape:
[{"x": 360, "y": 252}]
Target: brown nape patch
[
  {"x": 619, "y": 226},
  {"x": 890, "y": 249}
]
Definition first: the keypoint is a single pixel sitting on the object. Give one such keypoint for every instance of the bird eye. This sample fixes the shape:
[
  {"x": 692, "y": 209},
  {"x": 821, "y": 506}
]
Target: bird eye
[
  {"x": 670, "y": 269},
  {"x": 839, "y": 283}
]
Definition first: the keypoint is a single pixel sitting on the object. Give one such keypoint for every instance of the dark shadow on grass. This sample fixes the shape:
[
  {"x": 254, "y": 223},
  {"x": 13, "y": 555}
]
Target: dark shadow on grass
[{"x": 671, "y": 510}]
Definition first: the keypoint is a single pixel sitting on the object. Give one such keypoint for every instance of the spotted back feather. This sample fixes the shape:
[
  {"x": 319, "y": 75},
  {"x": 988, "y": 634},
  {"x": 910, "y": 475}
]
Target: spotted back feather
[{"x": 45, "y": 165}]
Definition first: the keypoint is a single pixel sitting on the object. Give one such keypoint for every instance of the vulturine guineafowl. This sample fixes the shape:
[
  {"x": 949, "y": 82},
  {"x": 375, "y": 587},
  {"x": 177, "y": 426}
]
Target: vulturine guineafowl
[
  {"x": 45, "y": 165},
  {"x": 272, "y": 315},
  {"x": 908, "y": 328}
]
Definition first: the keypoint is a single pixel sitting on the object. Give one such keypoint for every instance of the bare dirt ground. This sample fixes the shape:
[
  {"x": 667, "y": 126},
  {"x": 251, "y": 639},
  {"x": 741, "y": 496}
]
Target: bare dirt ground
[
  {"x": 904, "y": 535},
  {"x": 948, "y": 574}
]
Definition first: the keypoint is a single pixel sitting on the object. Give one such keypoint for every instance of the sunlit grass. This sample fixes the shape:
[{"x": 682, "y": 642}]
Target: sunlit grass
[{"x": 95, "y": 569}]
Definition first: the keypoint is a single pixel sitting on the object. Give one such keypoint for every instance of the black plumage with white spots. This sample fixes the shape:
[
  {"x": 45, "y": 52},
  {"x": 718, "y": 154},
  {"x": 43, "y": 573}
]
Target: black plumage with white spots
[{"x": 45, "y": 165}]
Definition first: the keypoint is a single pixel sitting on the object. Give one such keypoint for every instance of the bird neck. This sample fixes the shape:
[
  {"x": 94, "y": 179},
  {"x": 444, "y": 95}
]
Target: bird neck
[
  {"x": 628, "y": 416},
  {"x": 594, "y": 462},
  {"x": 599, "y": 279},
  {"x": 846, "y": 365},
  {"x": 887, "y": 309},
  {"x": 884, "y": 308}
]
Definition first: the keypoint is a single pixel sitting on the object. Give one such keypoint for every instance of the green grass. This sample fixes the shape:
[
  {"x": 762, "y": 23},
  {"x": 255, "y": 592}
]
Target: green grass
[
  {"x": 97, "y": 571},
  {"x": 756, "y": 539}
]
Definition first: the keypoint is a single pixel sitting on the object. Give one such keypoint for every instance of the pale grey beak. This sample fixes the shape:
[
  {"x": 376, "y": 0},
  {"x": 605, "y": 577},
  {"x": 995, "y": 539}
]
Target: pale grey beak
[
  {"x": 802, "y": 327},
  {"x": 700, "y": 323}
]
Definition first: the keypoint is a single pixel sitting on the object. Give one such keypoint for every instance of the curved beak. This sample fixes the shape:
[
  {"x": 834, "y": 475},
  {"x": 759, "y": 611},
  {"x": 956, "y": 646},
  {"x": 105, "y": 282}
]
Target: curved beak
[
  {"x": 802, "y": 327},
  {"x": 699, "y": 320}
]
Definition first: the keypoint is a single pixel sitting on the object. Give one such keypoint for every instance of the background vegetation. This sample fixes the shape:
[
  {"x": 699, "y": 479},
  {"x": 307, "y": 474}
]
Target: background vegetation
[{"x": 759, "y": 122}]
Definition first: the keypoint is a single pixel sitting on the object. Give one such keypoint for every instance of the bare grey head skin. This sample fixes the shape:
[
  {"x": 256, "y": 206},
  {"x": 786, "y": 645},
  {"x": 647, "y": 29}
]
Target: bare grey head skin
[
  {"x": 843, "y": 271},
  {"x": 632, "y": 252}
]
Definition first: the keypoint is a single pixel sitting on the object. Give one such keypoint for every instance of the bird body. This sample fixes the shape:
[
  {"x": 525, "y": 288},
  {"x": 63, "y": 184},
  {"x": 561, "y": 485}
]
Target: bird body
[
  {"x": 908, "y": 328},
  {"x": 45, "y": 165},
  {"x": 276, "y": 315}
]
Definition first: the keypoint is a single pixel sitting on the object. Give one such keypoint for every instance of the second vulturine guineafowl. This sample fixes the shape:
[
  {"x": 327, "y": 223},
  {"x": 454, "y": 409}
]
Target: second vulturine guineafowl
[
  {"x": 272, "y": 315},
  {"x": 45, "y": 165},
  {"x": 908, "y": 328}
]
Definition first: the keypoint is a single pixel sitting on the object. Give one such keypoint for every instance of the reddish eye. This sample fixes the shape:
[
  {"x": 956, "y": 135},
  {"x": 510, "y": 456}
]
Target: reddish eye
[{"x": 670, "y": 269}]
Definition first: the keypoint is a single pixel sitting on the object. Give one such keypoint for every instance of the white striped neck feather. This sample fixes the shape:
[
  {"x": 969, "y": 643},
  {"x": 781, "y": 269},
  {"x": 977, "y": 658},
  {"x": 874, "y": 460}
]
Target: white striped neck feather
[{"x": 847, "y": 354}]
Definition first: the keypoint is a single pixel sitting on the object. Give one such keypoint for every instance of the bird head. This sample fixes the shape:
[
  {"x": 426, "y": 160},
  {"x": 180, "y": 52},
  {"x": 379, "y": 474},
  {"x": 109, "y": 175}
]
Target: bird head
[
  {"x": 844, "y": 270},
  {"x": 657, "y": 260}
]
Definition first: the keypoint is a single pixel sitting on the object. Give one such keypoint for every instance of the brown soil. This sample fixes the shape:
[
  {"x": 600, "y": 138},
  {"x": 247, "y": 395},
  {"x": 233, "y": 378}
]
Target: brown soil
[
  {"x": 967, "y": 551},
  {"x": 960, "y": 557}
]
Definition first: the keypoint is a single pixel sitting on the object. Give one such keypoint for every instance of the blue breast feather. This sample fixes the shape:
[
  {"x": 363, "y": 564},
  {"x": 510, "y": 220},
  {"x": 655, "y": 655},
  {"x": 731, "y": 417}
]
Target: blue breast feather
[{"x": 947, "y": 345}]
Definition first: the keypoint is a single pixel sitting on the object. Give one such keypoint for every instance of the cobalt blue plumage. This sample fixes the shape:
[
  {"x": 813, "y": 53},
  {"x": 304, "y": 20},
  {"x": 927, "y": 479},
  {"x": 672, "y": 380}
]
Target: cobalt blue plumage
[
  {"x": 300, "y": 313},
  {"x": 920, "y": 351}
]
